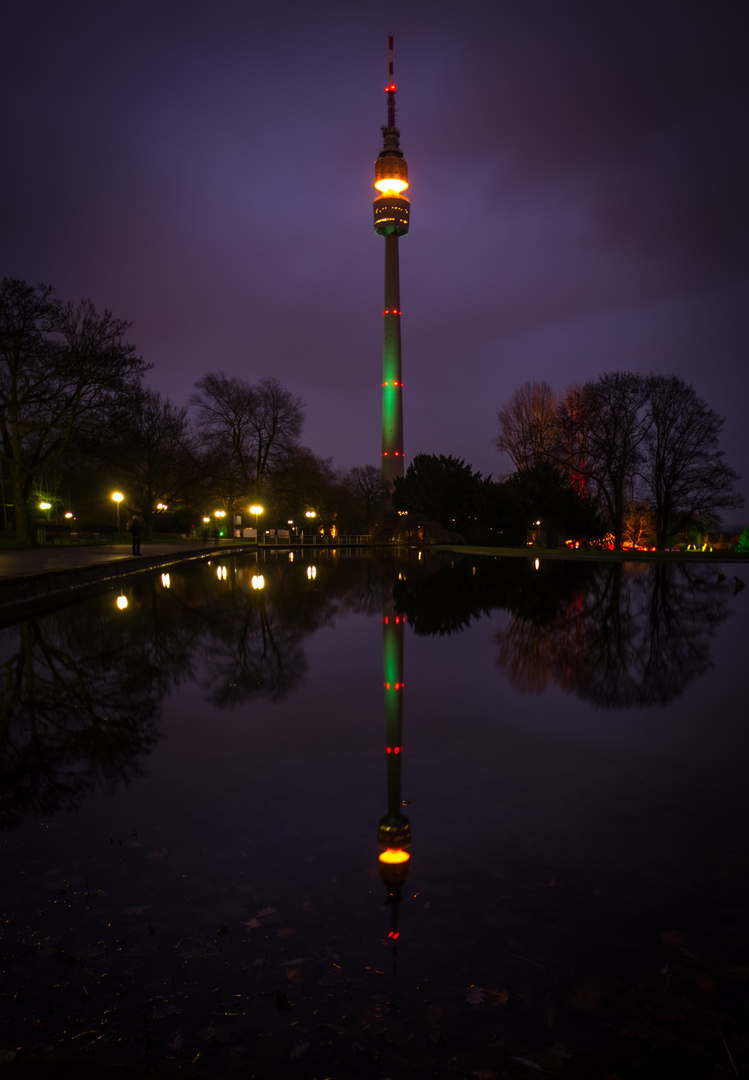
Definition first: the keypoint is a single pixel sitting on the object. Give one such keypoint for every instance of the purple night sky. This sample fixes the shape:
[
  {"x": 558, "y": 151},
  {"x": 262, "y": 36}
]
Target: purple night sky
[{"x": 579, "y": 181}]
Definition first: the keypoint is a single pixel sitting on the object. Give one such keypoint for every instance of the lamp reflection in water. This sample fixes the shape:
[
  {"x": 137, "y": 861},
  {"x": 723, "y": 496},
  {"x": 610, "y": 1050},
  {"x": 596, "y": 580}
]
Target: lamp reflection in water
[{"x": 394, "y": 829}]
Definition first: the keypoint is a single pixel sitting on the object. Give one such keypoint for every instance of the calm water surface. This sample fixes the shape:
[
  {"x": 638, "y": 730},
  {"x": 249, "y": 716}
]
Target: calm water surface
[{"x": 197, "y": 791}]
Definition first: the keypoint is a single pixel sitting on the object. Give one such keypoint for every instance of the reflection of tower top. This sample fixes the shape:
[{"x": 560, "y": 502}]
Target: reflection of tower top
[{"x": 394, "y": 829}]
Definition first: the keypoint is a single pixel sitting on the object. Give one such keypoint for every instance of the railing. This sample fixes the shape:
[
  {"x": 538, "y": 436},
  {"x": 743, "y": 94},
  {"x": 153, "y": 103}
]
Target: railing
[{"x": 313, "y": 540}]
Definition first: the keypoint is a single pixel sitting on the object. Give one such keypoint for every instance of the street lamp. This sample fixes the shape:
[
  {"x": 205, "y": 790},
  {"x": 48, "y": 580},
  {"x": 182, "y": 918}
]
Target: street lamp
[
  {"x": 310, "y": 514},
  {"x": 256, "y": 510},
  {"x": 118, "y": 497}
]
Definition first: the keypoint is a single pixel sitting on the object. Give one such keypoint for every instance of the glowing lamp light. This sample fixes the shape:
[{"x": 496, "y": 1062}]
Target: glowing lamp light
[
  {"x": 258, "y": 581},
  {"x": 121, "y": 602},
  {"x": 117, "y": 496},
  {"x": 391, "y": 183},
  {"x": 206, "y": 520},
  {"x": 219, "y": 513},
  {"x": 256, "y": 509},
  {"x": 311, "y": 572},
  {"x": 69, "y": 515},
  {"x": 393, "y": 856}
]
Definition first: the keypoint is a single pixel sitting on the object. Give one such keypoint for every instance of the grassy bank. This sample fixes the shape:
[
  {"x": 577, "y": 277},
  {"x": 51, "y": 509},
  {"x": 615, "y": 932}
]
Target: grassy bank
[{"x": 594, "y": 555}]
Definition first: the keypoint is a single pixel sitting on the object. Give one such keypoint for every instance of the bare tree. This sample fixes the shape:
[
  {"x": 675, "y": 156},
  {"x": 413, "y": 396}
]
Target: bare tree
[
  {"x": 150, "y": 449},
  {"x": 248, "y": 429},
  {"x": 368, "y": 490},
  {"x": 642, "y": 447},
  {"x": 607, "y": 418},
  {"x": 685, "y": 475},
  {"x": 59, "y": 368},
  {"x": 528, "y": 424},
  {"x": 570, "y": 449}
]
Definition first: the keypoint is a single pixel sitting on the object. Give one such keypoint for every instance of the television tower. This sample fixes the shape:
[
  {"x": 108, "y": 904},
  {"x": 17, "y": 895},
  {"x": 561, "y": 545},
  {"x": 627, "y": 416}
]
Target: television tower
[{"x": 391, "y": 212}]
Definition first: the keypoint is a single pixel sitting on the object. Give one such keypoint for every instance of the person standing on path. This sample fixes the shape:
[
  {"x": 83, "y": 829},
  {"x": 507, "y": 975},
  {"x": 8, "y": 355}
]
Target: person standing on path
[{"x": 136, "y": 531}]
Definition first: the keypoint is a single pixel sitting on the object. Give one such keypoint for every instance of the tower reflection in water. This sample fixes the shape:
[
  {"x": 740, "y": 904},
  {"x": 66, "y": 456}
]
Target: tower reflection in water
[{"x": 394, "y": 830}]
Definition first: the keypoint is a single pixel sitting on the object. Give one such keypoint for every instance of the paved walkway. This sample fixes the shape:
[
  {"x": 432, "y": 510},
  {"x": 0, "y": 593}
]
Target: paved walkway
[
  {"x": 37, "y": 580},
  {"x": 15, "y": 563}
]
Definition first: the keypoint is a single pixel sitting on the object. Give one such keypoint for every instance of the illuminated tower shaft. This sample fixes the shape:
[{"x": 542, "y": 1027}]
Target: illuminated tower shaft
[{"x": 391, "y": 214}]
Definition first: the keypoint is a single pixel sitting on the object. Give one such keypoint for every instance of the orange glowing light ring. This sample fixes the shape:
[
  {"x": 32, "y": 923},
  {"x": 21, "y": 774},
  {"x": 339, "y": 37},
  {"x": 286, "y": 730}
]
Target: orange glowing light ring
[
  {"x": 391, "y": 184},
  {"x": 394, "y": 856}
]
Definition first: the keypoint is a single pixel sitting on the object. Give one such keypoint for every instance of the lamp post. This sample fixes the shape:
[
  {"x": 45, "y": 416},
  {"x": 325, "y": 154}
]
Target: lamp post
[
  {"x": 256, "y": 510},
  {"x": 311, "y": 515},
  {"x": 118, "y": 497}
]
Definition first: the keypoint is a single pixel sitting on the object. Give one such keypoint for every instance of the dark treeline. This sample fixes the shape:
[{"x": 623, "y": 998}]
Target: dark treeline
[
  {"x": 627, "y": 459},
  {"x": 441, "y": 499},
  {"x": 643, "y": 449},
  {"x": 77, "y": 423}
]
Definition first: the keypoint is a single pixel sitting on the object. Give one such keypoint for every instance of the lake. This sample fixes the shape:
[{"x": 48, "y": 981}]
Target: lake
[{"x": 405, "y": 815}]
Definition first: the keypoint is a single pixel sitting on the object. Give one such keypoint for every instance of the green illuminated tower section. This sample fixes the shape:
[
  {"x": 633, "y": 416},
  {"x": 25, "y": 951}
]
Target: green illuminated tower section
[
  {"x": 391, "y": 213},
  {"x": 394, "y": 829}
]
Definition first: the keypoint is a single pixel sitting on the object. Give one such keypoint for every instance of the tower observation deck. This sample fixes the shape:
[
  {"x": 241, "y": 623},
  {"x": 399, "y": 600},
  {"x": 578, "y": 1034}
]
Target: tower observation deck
[{"x": 391, "y": 216}]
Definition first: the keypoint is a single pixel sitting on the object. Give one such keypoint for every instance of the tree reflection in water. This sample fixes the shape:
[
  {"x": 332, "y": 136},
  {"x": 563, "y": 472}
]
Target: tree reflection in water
[
  {"x": 75, "y": 715},
  {"x": 636, "y": 635},
  {"x": 614, "y": 634},
  {"x": 82, "y": 687},
  {"x": 254, "y": 637}
]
